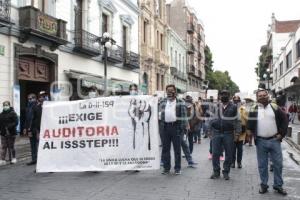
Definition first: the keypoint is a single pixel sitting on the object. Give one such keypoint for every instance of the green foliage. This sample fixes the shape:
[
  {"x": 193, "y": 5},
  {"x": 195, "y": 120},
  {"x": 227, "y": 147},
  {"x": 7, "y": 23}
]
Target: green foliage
[
  {"x": 265, "y": 59},
  {"x": 217, "y": 79}
]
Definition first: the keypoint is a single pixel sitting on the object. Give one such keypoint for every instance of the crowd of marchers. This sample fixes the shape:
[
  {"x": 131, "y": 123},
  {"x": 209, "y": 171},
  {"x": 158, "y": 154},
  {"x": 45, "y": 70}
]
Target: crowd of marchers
[{"x": 228, "y": 122}]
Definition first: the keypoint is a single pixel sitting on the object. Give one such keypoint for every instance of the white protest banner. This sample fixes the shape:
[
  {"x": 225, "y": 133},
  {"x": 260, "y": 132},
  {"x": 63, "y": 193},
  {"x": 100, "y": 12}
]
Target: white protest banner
[{"x": 100, "y": 134}]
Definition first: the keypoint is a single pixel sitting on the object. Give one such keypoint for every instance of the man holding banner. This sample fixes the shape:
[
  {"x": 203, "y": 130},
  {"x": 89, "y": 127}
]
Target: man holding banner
[{"x": 173, "y": 122}]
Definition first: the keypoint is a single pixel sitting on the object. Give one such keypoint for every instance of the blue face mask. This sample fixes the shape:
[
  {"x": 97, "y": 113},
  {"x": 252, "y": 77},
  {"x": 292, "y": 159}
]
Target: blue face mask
[{"x": 133, "y": 92}]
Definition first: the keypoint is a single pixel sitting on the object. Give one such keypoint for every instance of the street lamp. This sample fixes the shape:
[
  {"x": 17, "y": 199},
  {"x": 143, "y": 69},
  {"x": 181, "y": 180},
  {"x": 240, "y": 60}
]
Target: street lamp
[
  {"x": 266, "y": 76},
  {"x": 107, "y": 43}
]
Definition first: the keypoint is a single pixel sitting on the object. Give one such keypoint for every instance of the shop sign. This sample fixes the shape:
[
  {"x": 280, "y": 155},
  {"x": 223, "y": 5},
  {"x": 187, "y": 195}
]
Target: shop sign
[{"x": 47, "y": 24}]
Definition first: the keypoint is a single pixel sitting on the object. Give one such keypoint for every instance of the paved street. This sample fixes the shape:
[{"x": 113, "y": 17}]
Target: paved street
[{"x": 19, "y": 182}]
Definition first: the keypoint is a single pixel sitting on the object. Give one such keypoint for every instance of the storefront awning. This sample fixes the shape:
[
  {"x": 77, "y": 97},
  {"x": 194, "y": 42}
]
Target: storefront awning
[{"x": 88, "y": 80}]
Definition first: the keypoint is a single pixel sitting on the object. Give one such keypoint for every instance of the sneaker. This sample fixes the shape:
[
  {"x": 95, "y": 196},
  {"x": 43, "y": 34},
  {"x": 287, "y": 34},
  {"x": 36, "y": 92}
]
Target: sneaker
[
  {"x": 222, "y": 158},
  {"x": 209, "y": 156},
  {"x": 165, "y": 172},
  {"x": 14, "y": 161},
  {"x": 239, "y": 165},
  {"x": 192, "y": 164},
  {"x": 226, "y": 176},
  {"x": 263, "y": 189},
  {"x": 280, "y": 190},
  {"x": 215, "y": 175},
  {"x": 2, "y": 162},
  {"x": 177, "y": 172}
]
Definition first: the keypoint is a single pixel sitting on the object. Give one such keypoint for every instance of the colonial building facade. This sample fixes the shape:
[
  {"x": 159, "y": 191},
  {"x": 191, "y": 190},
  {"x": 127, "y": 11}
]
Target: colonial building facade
[
  {"x": 177, "y": 54},
  {"x": 185, "y": 23},
  {"x": 154, "y": 62},
  {"x": 51, "y": 45}
]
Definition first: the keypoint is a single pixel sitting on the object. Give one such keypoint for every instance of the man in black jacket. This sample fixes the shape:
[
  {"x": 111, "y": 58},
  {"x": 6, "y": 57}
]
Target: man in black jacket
[
  {"x": 223, "y": 126},
  {"x": 268, "y": 124},
  {"x": 36, "y": 124}
]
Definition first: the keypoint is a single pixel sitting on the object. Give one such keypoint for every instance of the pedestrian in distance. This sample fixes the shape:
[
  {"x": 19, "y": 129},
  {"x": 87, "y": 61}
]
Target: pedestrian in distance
[
  {"x": 239, "y": 137},
  {"x": 223, "y": 127},
  {"x": 174, "y": 123},
  {"x": 31, "y": 103},
  {"x": 292, "y": 112},
  {"x": 8, "y": 132},
  {"x": 268, "y": 124}
]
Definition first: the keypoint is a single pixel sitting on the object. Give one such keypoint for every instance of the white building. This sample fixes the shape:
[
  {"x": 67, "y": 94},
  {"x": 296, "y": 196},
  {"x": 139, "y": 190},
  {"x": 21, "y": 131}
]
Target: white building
[
  {"x": 286, "y": 68},
  {"x": 177, "y": 54},
  {"x": 51, "y": 45}
]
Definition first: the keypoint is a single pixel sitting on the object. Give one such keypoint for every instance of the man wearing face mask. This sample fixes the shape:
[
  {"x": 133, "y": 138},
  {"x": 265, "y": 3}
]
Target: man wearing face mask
[
  {"x": 268, "y": 124},
  {"x": 93, "y": 93},
  {"x": 36, "y": 124},
  {"x": 174, "y": 123},
  {"x": 222, "y": 127},
  {"x": 27, "y": 126}
]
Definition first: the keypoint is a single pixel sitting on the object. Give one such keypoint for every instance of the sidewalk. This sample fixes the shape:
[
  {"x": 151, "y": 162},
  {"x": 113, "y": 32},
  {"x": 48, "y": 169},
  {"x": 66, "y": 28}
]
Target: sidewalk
[{"x": 295, "y": 129}]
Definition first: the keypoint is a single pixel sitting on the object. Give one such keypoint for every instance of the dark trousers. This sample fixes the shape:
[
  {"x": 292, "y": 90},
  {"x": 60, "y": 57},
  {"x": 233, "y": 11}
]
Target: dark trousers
[
  {"x": 8, "y": 144},
  {"x": 237, "y": 152},
  {"x": 34, "y": 145},
  {"x": 220, "y": 140},
  {"x": 190, "y": 137},
  {"x": 171, "y": 134}
]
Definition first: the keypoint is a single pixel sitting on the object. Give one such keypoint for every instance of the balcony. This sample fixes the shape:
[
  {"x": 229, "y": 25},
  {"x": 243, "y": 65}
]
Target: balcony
[
  {"x": 36, "y": 24},
  {"x": 146, "y": 52},
  {"x": 174, "y": 71},
  {"x": 182, "y": 76},
  {"x": 191, "y": 69},
  {"x": 190, "y": 28},
  {"x": 191, "y": 48},
  {"x": 199, "y": 74},
  {"x": 116, "y": 56},
  {"x": 199, "y": 56},
  {"x": 132, "y": 60},
  {"x": 5, "y": 7},
  {"x": 161, "y": 58},
  {"x": 84, "y": 43}
]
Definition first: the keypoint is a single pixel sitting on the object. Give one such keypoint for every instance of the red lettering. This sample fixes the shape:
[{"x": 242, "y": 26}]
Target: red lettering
[
  {"x": 66, "y": 132},
  {"x": 100, "y": 130},
  {"x": 80, "y": 130},
  {"x": 56, "y": 133},
  {"x": 47, "y": 134},
  {"x": 107, "y": 131},
  {"x": 114, "y": 131},
  {"x": 90, "y": 131}
]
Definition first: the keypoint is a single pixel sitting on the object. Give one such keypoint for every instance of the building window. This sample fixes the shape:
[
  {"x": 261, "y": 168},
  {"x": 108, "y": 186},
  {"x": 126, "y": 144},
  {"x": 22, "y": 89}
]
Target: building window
[
  {"x": 298, "y": 48},
  {"x": 124, "y": 36},
  {"x": 289, "y": 60},
  {"x": 145, "y": 32},
  {"x": 104, "y": 23},
  {"x": 275, "y": 74},
  {"x": 157, "y": 39},
  {"x": 157, "y": 81},
  {"x": 161, "y": 42},
  {"x": 162, "y": 82},
  {"x": 176, "y": 59},
  {"x": 78, "y": 14},
  {"x": 280, "y": 68}
]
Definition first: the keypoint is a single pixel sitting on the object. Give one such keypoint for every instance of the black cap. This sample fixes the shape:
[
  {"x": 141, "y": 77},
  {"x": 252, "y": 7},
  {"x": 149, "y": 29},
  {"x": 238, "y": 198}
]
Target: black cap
[{"x": 224, "y": 92}]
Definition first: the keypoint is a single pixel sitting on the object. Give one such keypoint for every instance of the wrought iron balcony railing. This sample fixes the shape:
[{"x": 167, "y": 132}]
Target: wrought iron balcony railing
[
  {"x": 132, "y": 60},
  {"x": 84, "y": 42},
  {"x": 190, "y": 28},
  {"x": 191, "y": 48},
  {"x": 5, "y": 6}
]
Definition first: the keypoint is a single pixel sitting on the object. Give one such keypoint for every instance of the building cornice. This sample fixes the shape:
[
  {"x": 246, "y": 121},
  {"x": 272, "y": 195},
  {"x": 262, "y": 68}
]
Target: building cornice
[{"x": 131, "y": 5}]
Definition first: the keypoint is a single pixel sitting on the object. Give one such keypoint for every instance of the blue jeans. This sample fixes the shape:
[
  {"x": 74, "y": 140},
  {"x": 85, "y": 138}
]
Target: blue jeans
[
  {"x": 186, "y": 150},
  {"x": 220, "y": 140},
  {"x": 264, "y": 148},
  {"x": 171, "y": 134}
]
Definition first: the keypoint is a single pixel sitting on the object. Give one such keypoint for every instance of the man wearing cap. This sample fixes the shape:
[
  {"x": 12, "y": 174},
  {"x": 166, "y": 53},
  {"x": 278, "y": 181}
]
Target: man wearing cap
[
  {"x": 223, "y": 126},
  {"x": 268, "y": 124}
]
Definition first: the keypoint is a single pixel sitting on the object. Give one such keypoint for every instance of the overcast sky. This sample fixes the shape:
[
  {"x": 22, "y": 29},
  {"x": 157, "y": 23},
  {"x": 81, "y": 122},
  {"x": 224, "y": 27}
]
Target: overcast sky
[{"x": 236, "y": 29}]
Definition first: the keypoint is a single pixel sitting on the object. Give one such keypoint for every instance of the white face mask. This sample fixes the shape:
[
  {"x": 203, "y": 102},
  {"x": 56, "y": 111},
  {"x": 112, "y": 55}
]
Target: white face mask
[
  {"x": 92, "y": 94},
  {"x": 133, "y": 92}
]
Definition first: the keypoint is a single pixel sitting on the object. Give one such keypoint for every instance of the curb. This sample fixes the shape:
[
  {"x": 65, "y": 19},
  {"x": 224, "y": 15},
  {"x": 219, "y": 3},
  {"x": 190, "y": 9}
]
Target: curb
[{"x": 292, "y": 144}]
